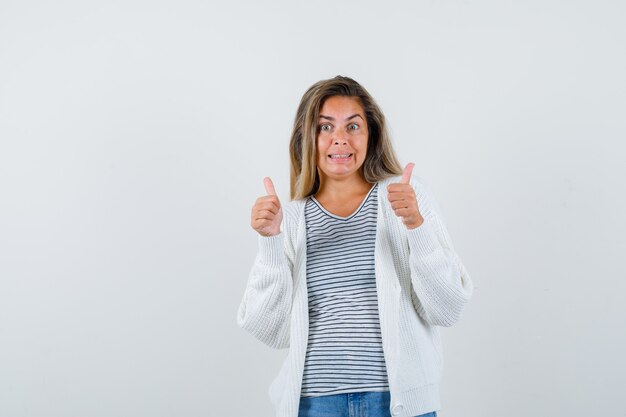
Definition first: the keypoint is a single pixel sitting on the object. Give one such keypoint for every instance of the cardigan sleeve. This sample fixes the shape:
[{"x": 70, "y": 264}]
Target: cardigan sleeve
[
  {"x": 266, "y": 306},
  {"x": 439, "y": 278}
]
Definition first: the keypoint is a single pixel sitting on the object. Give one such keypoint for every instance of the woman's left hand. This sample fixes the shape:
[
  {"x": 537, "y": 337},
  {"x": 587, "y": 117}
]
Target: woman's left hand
[{"x": 403, "y": 200}]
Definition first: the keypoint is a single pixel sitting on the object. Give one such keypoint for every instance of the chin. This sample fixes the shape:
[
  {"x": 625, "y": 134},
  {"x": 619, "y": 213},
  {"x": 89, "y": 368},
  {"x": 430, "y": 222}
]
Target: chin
[{"x": 341, "y": 174}]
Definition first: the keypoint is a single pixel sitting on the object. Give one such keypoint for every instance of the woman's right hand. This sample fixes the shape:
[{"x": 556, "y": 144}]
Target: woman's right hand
[{"x": 266, "y": 212}]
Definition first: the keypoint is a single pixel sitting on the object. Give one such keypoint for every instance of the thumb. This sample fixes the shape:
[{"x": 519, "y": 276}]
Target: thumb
[
  {"x": 406, "y": 175},
  {"x": 269, "y": 186}
]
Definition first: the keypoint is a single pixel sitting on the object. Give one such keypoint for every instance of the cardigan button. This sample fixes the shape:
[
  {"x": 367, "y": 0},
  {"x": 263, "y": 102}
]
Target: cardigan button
[{"x": 397, "y": 409}]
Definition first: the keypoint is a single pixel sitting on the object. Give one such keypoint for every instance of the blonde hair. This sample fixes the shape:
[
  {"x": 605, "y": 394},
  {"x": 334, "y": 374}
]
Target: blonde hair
[{"x": 380, "y": 160}]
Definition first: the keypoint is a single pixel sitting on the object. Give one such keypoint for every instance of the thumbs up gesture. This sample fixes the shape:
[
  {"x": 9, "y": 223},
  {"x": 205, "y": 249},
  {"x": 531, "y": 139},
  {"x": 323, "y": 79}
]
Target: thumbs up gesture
[
  {"x": 403, "y": 200},
  {"x": 266, "y": 212}
]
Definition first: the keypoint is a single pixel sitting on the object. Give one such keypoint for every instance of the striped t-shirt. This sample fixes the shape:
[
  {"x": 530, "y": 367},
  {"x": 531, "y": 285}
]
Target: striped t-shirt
[{"x": 345, "y": 352}]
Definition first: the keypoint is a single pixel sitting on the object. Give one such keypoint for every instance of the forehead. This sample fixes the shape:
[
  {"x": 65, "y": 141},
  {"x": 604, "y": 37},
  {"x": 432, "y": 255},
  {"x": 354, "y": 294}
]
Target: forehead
[{"x": 338, "y": 106}]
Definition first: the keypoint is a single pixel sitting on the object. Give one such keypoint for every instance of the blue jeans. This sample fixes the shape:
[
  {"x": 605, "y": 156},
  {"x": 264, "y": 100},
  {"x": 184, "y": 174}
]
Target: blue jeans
[{"x": 355, "y": 404}]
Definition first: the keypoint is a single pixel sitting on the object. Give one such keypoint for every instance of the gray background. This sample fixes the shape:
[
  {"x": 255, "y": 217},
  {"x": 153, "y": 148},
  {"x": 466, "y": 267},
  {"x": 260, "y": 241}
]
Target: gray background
[{"x": 135, "y": 136}]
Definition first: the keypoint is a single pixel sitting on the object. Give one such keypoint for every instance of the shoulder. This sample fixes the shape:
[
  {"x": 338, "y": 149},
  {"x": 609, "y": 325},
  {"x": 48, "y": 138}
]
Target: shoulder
[{"x": 294, "y": 209}]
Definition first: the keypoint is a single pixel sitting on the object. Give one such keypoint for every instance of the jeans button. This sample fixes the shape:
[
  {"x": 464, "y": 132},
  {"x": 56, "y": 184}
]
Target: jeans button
[{"x": 397, "y": 409}]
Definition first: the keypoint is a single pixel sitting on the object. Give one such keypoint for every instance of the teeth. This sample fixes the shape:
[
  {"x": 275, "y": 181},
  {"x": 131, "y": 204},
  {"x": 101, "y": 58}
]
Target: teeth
[{"x": 340, "y": 156}]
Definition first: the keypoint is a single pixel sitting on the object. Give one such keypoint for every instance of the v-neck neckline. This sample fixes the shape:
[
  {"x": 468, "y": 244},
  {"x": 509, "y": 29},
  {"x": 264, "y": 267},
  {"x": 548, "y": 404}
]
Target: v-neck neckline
[{"x": 348, "y": 217}]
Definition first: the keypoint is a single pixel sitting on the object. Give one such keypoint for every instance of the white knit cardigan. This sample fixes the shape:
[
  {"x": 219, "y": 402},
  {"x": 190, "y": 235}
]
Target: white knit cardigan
[{"x": 421, "y": 284}]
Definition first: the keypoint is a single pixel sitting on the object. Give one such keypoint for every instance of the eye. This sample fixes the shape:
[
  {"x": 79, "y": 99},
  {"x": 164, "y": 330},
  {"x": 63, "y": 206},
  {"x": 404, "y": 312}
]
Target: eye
[
  {"x": 324, "y": 127},
  {"x": 353, "y": 126}
]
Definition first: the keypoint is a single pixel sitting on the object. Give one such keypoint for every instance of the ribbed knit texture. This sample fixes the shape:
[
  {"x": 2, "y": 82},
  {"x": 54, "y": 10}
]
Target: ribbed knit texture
[{"x": 421, "y": 284}]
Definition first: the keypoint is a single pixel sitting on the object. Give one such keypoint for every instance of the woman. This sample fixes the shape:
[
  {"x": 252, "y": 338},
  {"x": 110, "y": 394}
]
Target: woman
[{"x": 356, "y": 273}]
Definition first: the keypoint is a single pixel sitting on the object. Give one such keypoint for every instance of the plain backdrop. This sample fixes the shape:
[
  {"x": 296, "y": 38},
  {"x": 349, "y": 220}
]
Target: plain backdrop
[{"x": 135, "y": 136}]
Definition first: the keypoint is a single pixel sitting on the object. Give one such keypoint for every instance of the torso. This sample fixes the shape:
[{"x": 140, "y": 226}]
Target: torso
[{"x": 344, "y": 351}]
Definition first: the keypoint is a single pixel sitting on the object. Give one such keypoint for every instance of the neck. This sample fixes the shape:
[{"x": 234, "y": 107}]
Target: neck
[{"x": 336, "y": 189}]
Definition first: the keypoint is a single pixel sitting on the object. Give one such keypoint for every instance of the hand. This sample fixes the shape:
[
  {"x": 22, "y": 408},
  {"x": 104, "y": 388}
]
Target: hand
[
  {"x": 403, "y": 200},
  {"x": 266, "y": 212}
]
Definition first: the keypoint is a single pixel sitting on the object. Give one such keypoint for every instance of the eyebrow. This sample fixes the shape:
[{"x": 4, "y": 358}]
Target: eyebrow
[{"x": 347, "y": 118}]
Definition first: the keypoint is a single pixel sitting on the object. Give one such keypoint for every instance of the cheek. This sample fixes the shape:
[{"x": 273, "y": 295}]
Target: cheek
[
  {"x": 322, "y": 145},
  {"x": 362, "y": 144}
]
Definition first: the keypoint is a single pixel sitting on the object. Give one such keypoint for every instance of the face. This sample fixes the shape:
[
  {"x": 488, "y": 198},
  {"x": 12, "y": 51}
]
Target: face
[{"x": 341, "y": 137}]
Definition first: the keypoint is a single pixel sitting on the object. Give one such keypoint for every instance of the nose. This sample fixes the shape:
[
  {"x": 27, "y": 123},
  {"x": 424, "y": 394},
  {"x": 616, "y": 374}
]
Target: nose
[{"x": 339, "y": 137}]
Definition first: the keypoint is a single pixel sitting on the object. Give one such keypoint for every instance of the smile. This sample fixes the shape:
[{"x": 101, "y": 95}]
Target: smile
[{"x": 340, "y": 156}]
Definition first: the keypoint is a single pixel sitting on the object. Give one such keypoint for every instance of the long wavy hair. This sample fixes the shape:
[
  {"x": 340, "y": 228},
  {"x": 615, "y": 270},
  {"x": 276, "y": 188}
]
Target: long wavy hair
[{"x": 380, "y": 160}]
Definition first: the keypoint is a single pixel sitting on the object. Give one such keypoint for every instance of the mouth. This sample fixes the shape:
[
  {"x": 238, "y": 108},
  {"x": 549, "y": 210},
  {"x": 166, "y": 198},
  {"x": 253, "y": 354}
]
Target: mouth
[{"x": 340, "y": 157}]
